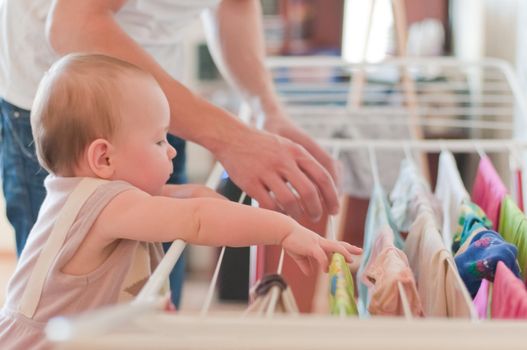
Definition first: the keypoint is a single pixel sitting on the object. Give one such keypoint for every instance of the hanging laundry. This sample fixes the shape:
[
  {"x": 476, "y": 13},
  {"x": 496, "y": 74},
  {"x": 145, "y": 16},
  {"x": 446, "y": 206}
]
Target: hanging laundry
[
  {"x": 513, "y": 227},
  {"x": 488, "y": 190},
  {"x": 518, "y": 188},
  {"x": 409, "y": 190},
  {"x": 481, "y": 301},
  {"x": 478, "y": 258},
  {"x": 387, "y": 270},
  {"x": 261, "y": 295},
  {"x": 440, "y": 288},
  {"x": 471, "y": 217},
  {"x": 509, "y": 297},
  {"x": 451, "y": 193},
  {"x": 341, "y": 288},
  {"x": 378, "y": 216}
]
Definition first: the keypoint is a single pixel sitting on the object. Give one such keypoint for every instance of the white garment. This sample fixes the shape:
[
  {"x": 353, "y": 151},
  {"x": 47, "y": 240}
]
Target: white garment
[
  {"x": 451, "y": 193},
  {"x": 25, "y": 54},
  {"x": 410, "y": 193},
  {"x": 409, "y": 185}
]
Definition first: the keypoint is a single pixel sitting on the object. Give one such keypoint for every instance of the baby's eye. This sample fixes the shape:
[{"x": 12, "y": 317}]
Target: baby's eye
[{"x": 160, "y": 143}]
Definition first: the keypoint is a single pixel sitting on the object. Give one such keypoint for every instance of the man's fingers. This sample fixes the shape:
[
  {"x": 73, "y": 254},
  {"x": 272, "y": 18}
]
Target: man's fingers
[
  {"x": 308, "y": 193},
  {"x": 284, "y": 195},
  {"x": 268, "y": 163},
  {"x": 262, "y": 196},
  {"x": 323, "y": 158},
  {"x": 321, "y": 178}
]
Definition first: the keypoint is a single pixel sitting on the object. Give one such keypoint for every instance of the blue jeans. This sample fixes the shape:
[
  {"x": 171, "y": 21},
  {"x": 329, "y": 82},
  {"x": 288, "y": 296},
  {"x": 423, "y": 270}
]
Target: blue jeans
[
  {"x": 22, "y": 175},
  {"x": 23, "y": 180}
]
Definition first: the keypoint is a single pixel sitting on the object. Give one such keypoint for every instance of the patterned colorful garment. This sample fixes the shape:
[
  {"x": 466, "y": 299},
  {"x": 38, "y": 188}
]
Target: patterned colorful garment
[
  {"x": 341, "y": 288},
  {"x": 471, "y": 217},
  {"x": 480, "y": 259}
]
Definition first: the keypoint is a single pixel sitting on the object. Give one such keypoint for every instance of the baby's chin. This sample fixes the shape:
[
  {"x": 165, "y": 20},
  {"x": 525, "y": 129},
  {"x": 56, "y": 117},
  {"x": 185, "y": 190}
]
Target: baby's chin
[{"x": 158, "y": 191}]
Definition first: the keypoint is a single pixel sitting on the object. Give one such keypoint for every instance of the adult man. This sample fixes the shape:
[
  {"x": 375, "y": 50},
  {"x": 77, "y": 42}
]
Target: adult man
[{"x": 266, "y": 164}]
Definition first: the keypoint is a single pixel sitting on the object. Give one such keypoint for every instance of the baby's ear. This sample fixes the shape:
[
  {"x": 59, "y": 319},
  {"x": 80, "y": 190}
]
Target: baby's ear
[{"x": 99, "y": 158}]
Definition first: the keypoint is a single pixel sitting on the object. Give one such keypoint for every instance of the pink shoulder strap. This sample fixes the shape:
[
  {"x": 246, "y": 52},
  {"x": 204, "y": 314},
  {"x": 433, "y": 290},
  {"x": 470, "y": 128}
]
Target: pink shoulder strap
[{"x": 65, "y": 219}]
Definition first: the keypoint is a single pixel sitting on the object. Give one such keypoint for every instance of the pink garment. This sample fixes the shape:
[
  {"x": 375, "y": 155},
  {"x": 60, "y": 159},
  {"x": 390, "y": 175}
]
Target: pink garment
[
  {"x": 388, "y": 267},
  {"x": 509, "y": 296},
  {"x": 481, "y": 301},
  {"x": 488, "y": 190},
  {"x": 64, "y": 294}
]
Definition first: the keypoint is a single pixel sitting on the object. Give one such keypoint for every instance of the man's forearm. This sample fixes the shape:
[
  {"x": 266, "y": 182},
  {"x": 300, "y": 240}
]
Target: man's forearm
[
  {"x": 235, "y": 37},
  {"x": 89, "y": 26},
  {"x": 264, "y": 165}
]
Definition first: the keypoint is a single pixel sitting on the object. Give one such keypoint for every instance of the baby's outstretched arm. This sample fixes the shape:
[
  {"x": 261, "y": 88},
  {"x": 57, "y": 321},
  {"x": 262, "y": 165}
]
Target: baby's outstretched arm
[{"x": 139, "y": 216}]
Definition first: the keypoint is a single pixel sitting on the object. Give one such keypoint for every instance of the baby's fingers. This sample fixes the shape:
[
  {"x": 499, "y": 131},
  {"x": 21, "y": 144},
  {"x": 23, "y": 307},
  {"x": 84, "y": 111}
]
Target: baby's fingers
[
  {"x": 343, "y": 248},
  {"x": 321, "y": 257},
  {"x": 304, "y": 265},
  {"x": 351, "y": 248}
]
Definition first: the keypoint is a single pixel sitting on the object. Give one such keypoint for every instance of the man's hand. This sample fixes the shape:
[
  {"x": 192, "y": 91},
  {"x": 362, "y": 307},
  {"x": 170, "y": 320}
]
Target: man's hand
[
  {"x": 283, "y": 126},
  {"x": 279, "y": 174}
]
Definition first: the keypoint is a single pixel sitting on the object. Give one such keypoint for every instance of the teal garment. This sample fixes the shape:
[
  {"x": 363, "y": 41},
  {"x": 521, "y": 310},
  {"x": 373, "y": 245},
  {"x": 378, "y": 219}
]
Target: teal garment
[
  {"x": 377, "y": 217},
  {"x": 471, "y": 217},
  {"x": 513, "y": 228}
]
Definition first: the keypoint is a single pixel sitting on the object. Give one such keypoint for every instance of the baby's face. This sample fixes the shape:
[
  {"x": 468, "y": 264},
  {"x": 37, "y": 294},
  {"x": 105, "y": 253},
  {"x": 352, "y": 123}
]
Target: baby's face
[{"x": 142, "y": 154}]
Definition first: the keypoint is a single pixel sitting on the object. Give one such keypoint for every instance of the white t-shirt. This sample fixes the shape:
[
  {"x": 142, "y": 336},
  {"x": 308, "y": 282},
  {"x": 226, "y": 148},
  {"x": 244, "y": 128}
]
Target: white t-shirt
[{"x": 25, "y": 54}]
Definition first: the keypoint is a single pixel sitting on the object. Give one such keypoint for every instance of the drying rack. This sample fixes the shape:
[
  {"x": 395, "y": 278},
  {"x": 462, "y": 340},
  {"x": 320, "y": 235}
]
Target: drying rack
[{"x": 481, "y": 101}]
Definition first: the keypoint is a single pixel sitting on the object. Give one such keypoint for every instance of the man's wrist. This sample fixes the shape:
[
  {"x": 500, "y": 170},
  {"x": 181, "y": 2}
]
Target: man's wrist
[{"x": 227, "y": 133}]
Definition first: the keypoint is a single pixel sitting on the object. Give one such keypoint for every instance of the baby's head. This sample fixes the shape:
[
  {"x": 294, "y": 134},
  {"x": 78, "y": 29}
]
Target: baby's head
[{"x": 98, "y": 116}]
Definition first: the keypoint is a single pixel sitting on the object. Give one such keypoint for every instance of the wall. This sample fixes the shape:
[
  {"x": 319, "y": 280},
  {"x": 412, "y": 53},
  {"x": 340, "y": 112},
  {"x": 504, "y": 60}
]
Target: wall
[{"x": 485, "y": 28}]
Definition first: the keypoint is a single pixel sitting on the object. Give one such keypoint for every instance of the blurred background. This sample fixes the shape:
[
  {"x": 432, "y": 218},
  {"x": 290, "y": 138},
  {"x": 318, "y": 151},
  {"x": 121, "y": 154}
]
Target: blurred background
[{"x": 466, "y": 29}]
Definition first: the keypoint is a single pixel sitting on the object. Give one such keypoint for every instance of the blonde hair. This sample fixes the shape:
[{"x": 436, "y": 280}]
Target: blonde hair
[{"x": 75, "y": 104}]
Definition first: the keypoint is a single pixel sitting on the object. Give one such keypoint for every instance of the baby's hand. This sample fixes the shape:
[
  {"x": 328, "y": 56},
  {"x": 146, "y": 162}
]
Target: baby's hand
[{"x": 305, "y": 246}]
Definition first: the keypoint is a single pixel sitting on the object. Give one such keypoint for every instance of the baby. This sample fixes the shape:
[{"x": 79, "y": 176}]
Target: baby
[{"x": 100, "y": 127}]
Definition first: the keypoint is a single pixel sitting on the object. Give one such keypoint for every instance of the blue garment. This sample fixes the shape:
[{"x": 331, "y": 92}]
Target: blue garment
[
  {"x": 23, "y": 180},
  {"x": 22, "y": 175},
  {"x": 480, "y": 259}
]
